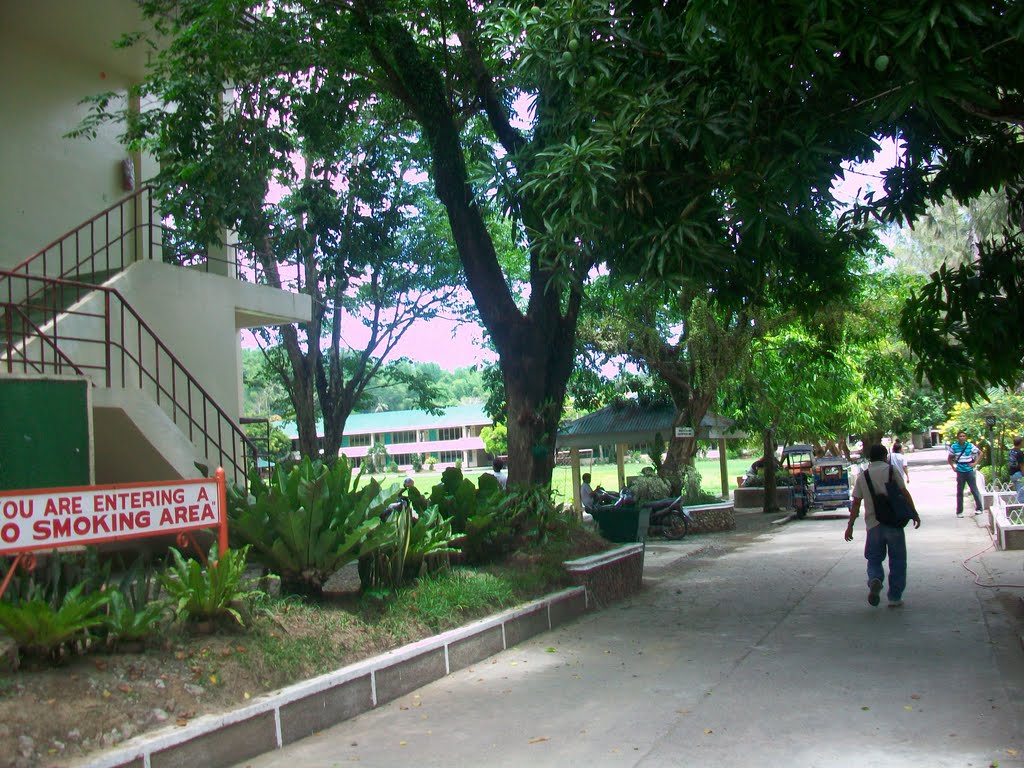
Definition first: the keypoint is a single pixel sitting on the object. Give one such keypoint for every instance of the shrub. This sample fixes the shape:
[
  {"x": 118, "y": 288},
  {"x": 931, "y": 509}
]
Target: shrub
[
  {"x": 207, "y": 593},
  {"x": 125, "y": 622},
  {"x": 41, "y": 630},
  {"x": 649, "y": 487},
  {"x": 506, "y": 522},
  {"x": 377, "y": 457},
  {"x": 457, "y": 498},
  {"x": 409, "y": 549},
  {"x": 782, "y": 480},
  {"x": 134, "y": 613},
  {"x": 417, "y": 462},
  {"x": 310, "y": 522},
  {"x": 998, "y": 474}
]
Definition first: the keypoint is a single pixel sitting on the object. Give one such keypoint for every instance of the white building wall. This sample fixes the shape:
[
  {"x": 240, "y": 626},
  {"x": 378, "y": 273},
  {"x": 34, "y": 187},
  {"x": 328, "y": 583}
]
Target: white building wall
[{"x": 50, "y": 184}]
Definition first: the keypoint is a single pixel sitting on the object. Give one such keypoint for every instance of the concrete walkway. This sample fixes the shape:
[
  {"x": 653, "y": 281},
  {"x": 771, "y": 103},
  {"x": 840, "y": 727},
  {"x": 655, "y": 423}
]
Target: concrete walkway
[{"x": 761, "y": 652}]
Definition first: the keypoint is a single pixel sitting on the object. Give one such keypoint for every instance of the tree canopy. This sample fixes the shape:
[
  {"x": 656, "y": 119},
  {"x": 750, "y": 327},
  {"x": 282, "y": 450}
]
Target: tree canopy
[{"x": 685, "y": 140}]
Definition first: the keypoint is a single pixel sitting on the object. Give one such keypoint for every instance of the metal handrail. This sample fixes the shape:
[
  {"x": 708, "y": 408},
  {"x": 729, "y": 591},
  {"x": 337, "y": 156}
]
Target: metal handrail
[
  {"x": 124, "y": 345},
  {"x": 105, "y": 243},
  {"x": 58, "y": 354},
  {"x": 130, "y": 230}
]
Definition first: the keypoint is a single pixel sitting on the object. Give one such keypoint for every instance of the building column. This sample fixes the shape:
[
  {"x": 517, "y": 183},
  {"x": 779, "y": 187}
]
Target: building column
[{"x": 620, "y": 461}]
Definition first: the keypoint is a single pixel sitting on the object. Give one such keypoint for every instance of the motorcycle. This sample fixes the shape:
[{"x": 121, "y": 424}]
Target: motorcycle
[{"x": 668, "y": 517}]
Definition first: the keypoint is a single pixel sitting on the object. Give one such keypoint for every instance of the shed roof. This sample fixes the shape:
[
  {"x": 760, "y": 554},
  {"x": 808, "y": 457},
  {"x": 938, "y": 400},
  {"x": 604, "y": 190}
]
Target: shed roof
[{"x": 631, "y": 422}]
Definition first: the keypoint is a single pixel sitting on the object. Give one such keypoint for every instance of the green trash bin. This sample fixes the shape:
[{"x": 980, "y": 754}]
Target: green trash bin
[{"x": 621, "y": 524}]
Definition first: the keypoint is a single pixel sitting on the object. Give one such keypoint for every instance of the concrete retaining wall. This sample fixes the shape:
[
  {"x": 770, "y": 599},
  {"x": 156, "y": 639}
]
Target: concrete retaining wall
[
  {"x": 293, "y": 713},
  {"x": 712, "y": 517},
  {"x": 745, "y": 498},
  {"x": 611, "y": 575}
]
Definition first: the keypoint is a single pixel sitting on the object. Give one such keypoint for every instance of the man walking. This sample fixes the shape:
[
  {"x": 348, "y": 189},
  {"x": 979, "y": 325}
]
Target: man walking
[
  {"x": 882, "y": 540},
  {"x": 962, "y": 456}
]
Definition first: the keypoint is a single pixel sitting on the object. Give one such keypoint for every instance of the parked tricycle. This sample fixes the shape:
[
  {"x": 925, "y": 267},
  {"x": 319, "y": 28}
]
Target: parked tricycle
[{"x": 821, "y": 482}]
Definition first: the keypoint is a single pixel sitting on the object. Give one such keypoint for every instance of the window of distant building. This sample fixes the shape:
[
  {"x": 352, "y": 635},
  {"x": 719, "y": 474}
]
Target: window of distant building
[
  {"x": 408, "y": 436},
  {"x": 449, "y": 433}
]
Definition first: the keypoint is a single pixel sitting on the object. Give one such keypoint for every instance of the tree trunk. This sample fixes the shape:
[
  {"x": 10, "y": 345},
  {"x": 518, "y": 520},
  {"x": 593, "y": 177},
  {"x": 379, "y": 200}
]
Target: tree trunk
[
  {"x": 768, "y": 448},
  {"x": 536, "y": 347},
  {"x": 535, "y": 382},
  {"x": 300, "y": 385},
  {"x": 869, "y": 438},
  {"x": 681, "y": 450}
]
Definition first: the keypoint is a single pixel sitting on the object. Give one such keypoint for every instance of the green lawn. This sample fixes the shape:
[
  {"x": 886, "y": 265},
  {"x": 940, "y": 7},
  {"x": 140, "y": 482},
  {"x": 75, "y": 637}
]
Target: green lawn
[
  {"x": 602, "y": 474},
  {"x": 607, "y": 475}
]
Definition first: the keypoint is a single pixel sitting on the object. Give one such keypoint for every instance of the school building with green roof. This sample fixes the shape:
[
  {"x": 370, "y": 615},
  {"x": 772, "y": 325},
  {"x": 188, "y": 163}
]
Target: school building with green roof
[{"x": 453, "y": 436}]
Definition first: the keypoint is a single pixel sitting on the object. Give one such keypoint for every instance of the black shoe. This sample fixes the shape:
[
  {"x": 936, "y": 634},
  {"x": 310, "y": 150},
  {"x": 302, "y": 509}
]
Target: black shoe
[{"x": 875, "y": 587}]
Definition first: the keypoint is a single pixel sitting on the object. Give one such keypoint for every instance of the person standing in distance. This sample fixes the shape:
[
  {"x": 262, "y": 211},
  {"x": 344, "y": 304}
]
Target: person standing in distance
[
  {"x": 498, "y": 470},
  {"x": 1016, "y": 467},
  {"x": 962, "y": 456},
  {"x": 899, "y": 461},
  {"x": 882, "y": 540}
]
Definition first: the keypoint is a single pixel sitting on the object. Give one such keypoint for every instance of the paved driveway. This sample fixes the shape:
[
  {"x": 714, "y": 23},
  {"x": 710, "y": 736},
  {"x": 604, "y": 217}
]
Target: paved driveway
[{"x": 755, "y": 650}]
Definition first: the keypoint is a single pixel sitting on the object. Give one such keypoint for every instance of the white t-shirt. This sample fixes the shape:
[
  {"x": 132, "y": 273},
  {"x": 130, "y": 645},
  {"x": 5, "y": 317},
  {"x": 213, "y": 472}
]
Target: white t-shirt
[
  {"x": 879, "y": 477},
  {"x": 586, "y": 495},
  {"x": 899, "y": 462}
]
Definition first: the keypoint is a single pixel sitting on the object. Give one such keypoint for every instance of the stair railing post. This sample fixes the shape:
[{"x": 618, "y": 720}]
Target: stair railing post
[{"x": 107, "y": 340}]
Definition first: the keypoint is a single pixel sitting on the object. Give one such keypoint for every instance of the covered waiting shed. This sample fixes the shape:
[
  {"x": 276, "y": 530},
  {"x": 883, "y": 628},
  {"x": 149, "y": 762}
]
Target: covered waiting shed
[{"x": 631, "y": 423}]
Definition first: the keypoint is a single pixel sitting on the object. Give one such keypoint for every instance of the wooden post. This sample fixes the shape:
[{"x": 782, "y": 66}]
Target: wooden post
[
  {"x": 723, "y": 464},
  {"x": 577, "y": 501},
  {"x": 620, "y": 460}
]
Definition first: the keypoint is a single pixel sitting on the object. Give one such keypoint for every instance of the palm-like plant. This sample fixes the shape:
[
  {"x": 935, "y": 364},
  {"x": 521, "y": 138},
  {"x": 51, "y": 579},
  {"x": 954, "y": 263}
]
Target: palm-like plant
[
  {"x": 127, "y": 623},
  {"x": 207, "y": 593},
  {"x": 41, "y": 630},
  {"x": 308, "y": 523}
]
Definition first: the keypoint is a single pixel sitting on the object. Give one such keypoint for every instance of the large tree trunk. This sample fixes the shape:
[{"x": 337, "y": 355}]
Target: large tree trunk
[
  {"x": 681, "y": 450},
  {"x": 299, "y": 382},
  {"x": 535, "y": 347},
  {"x": 535, "y": 382}
]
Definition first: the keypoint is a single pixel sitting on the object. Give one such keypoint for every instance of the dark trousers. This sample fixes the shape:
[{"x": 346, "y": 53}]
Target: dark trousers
[{"x": 971, "y": 480}]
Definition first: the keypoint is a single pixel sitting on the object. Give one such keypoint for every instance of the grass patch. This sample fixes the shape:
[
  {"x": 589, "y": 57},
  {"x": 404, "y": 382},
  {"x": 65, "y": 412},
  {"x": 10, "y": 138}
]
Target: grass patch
[
  {"x": 293, "y": 639},
  {"x": 448, "y": 600}
]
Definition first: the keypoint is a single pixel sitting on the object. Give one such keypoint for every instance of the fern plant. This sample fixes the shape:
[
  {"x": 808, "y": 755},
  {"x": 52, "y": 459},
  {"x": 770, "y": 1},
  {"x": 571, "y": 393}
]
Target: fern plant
[
  {"x": 308, "y": 523},
  {"x": 41, "y": 630},
  {"x": 126, "y": 623},
  {"x": 207, "y": 593}
]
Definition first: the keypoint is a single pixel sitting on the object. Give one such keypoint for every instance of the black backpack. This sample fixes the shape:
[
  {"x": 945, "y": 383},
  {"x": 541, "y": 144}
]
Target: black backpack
[{"x": 885, "y": 512}]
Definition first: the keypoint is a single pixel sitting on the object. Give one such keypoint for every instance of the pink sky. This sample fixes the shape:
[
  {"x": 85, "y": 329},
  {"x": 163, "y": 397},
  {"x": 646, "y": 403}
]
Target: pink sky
[{"x": 451, "y": 345}]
